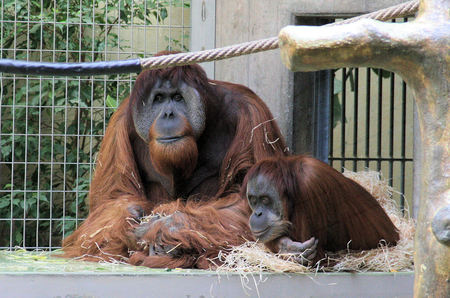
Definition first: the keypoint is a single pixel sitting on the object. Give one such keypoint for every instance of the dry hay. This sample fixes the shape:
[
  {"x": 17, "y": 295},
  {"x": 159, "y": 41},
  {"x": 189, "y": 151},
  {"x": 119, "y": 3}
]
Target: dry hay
[{"x": 253, "y": 257}]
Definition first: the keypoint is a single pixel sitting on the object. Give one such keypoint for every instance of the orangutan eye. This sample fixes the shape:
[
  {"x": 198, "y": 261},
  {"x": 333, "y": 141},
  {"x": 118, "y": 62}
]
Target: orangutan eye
[
  {"x": 252, "y": 200},
  {"x": 158, "y": 98},
  {"x": 177, "y": 97},
  {"x": 265, "y": 200}
]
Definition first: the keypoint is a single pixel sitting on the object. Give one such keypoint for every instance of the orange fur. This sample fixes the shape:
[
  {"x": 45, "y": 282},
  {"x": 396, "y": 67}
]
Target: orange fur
[
  {"x": 132, "y": 175},
  {"x": 209, "y": 228},
  {"x": 320, "y": 202}
]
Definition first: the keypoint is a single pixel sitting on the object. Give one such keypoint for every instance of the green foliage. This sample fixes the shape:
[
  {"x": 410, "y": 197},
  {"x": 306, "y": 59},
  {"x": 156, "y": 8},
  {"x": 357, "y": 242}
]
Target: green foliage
[
  {"x": 337, "y": 106},
  {"x": 48, "y": 160},
  {"x": 382, "y": 73}
]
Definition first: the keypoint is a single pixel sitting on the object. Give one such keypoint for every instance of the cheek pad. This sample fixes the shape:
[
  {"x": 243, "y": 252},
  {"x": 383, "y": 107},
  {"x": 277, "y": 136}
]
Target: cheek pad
[
  {"x": 195, "y": 109},
  {"x": 143, "y": 117}
]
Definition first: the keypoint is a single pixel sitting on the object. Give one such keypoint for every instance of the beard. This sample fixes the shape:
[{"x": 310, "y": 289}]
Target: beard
[{"x": 175, "y": 159}]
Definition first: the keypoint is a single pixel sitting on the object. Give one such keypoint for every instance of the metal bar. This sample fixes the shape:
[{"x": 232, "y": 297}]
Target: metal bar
[
  {"x": 13, "y": 130},
  {"x": 92, "y": 100},
  {"x": 182, "y": 22},
  {"x": 77, "y": 166},
  {"x": 98, "y": 24},
  {"x": 39, "y": 138},
  {"x": 145, "y": 30},
  {"x": 1, "y": 86},
  {"x": 368, "y": 70},
  {"x": 331, "y": 131},
  {"x": 1, "y": 100},
  {"x": 35, "y": 219},
  {"x": 170, "y": 23},
  {"x": 65, "y": 132},
  {"x": 403, "y": 149},
  {"x": 380, "y": 115},
  {"x": 76, "y": 51},
  {"x": 71, "y": 106},
  {"x": 105, "y": 82},
  {"x": 41, "y": 190},
  {"x": 344, "y": 87},
  {"x": 52, "y": 150},
  {"x": 27, "y": 83},
  {"x": 391, "y": 125},
  {"x": 96, "y": 79},
  {"x": 355, "y": 118}
]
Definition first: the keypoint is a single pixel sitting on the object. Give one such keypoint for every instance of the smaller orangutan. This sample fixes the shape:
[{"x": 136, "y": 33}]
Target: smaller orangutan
[{"x": 302, "y": 205}]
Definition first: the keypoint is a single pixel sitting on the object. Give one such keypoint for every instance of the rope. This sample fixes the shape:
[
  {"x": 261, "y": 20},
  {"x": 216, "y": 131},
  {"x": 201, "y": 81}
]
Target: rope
[
  {"x": 136, "y": 65},
  {"x": 397, "y": 11},
  {"x": 210, "y": 55}
]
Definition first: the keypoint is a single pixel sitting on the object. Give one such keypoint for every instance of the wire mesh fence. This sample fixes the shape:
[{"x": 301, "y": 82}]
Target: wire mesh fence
[{"x": 51, "y": 127}]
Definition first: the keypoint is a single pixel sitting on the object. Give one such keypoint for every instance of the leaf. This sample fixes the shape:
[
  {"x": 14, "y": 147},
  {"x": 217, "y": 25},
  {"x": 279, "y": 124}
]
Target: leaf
[
  {"x": 163, "y": 14},
  {"x": 337, "y": 110},
  {"x": 6, "y": 149},
  {"x": 337, "y": 86},
  {"x": 35, "y": 28},
  {"x": 18, "y": 237},
  {"x": 5, "y": 203},
  {"x": 111, "y": 102},
  {"x": 384, "y": 73},
  {"x": 43, "y": 198}
]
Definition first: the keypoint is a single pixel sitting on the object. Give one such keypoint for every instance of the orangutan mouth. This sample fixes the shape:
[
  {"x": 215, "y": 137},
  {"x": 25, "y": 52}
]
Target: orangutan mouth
[
  {"x": 261, "y": 232},
  {"x": 169, "y": 139}
]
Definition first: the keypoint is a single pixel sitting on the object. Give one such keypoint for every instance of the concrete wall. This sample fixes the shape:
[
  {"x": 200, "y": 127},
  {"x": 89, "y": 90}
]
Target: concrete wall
[{"x": 245, "y": 20}]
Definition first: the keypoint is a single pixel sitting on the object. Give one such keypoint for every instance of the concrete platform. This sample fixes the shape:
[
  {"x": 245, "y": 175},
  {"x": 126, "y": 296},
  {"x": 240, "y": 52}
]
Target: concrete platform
[
  {"x": 42, "y": 274},
  {"x": 190, "y": 283}
]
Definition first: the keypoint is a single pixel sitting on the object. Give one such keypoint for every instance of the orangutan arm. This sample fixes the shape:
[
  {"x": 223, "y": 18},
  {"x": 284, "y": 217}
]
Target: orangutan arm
[
  {"x": 188, "y": 235},
  {"x": 104, "y": 235}
]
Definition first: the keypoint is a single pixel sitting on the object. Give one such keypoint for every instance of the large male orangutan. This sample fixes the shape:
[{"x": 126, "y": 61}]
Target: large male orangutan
[{"x": 178, "y": 148}]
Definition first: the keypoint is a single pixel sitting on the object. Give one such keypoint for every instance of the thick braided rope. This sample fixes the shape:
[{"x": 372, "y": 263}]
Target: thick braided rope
[
  {"x": 398, "y": 11},
  {"x": 210, "y": 55}
]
